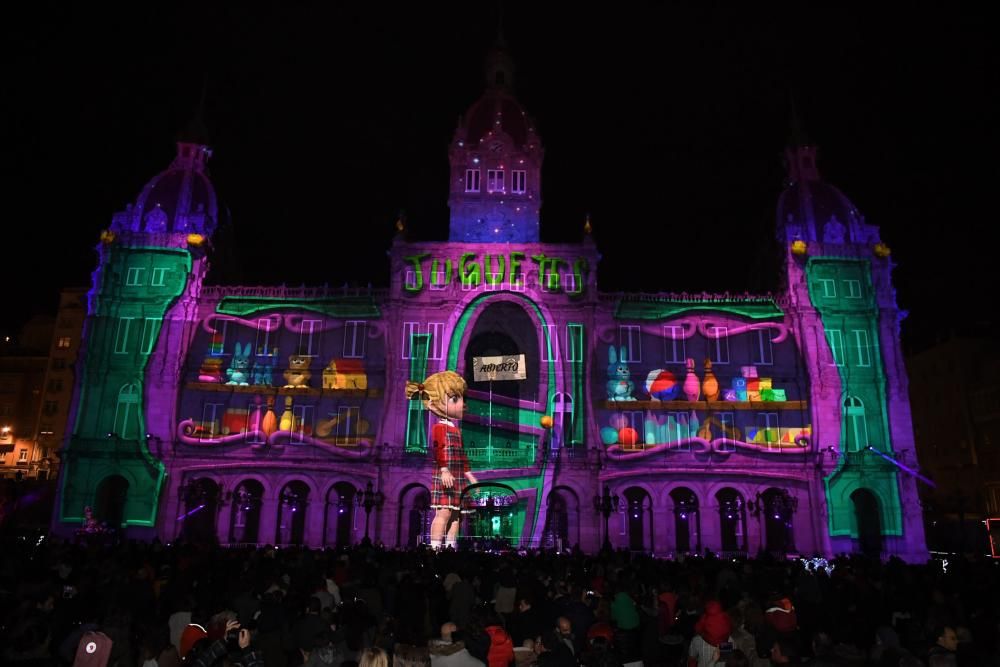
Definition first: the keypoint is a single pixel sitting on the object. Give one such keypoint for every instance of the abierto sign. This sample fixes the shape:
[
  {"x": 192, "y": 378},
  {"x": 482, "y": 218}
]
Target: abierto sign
[{"x": 498, "y": 369}]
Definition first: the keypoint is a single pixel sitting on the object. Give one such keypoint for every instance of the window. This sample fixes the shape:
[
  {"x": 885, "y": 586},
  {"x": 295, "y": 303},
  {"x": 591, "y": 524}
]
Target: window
[
  {"x": 217, "y": 347},
  {"x": 211, "y": 416},
  {"x": 436, "y": 280},
  {"x": 727, "y": 424},
  {"x": 302, "y": 426},
  {"x": 827, "y": 287},
  {"x": 136, "y": 276},
  {"x": 857, "y": 424},
  {"x": 308, "y": 341},
  {"x": 673, "y": 344},
  {"x": 836, "y": 340},
  {"x": 50, "y": 407},
  {"x": 127, "y": 412},
  {"x": 265, "y": 326},
  {"x": 719, "y": 345},
  {"x": 159, "y": 277},
  {"x": 347, "y": 424},
  {"x": 517, "y": 181},
  {"x": 634, "y": 419},
  {"x": 517, "y": 282},
  {"x": 569, "y": 282},
  {"x": 861, "y": 345},
  {"x": 551, "y": 342},
  {"x": 121, "y": 337},
  {"x": 354, "y": 339},
  {"x": 468, "y": 287},
  {"x": 574, "y": 342},
  {"x": 150, "y": 329},
  {"x": 63, "y": 343},
  {"x": 853, "y": 289},
  {"x": 767, "y": 422},
  {"x": 58, "y": 363},
  {"x": 678, "y": 429},
  {"x": 630, "y": 342},
  {"x": 411, "y": 280},
  {"x": 22, "y": 455},
  {"x": 472, "y": 180},
  {"x": 55, "y": 385},
  {"x": 255, "y": 415},
  {"x": 494, "y": 180},
  {"x": 436, "y": 332},
  {"x": 433, "y": 329},
  {"x": 763, "y": 354}
]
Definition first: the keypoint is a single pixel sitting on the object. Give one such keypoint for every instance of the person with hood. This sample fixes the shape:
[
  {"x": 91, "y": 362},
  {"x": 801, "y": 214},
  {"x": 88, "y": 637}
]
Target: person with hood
[
  {"x": 780, "y": 616},
  {"x": 501, "y": 651},
  {"x": 449, "y": 650}
]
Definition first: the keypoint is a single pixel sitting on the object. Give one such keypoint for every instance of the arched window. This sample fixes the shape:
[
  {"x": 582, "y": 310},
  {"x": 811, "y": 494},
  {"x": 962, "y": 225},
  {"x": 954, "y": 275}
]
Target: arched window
[
  {"x": 126, "y": 424},
  {"x": 857, "y": 425}
]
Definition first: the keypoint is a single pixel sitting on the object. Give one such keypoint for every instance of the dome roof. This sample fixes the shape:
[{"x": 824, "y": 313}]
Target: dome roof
[
  {"x": 180, "y": 199},
  {"x": 812, "y": 205},
  {"x": 497, "y": 111},
  {"x": 809, "y": 208}
]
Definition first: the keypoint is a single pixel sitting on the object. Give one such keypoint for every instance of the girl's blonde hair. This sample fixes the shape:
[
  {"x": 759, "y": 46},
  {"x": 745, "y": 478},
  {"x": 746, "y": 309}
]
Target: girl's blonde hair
[
  {"x": 436, "y": 388},
  {"x": 374, "y": 657}
]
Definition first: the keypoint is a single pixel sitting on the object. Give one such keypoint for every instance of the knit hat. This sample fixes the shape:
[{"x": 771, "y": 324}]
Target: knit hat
[
  {"x": 192, "y": 634},
  {"x": 714, "y": 625},
  {"x": 93, "y": 650}
]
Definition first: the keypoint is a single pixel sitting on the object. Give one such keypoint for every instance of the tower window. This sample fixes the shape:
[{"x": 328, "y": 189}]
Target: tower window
[
  {"x": 517, "y": 181},
  {"x": 136, "y": 276},
  {"x": 494, "y": 180},
  {"x": 472, "y": 180},
  {"x": 159, "y": 277},
  {"x": 853, "y": 289}
]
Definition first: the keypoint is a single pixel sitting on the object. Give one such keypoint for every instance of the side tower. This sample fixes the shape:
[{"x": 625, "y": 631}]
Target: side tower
[
  {"x": 151, "y": 263},
  {"x": 844, "y": 314},
  {"x": 496, "y": 165}
]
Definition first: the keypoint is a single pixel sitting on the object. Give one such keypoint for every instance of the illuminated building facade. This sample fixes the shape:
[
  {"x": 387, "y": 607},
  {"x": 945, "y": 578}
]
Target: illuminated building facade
[{"x": 731, "y": 422}]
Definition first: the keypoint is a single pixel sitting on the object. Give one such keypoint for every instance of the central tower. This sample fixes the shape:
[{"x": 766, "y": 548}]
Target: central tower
[{"x": 496, "y": 164}]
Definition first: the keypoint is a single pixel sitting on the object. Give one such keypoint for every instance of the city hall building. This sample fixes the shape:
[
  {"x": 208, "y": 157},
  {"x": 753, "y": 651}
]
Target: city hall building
[{"x": 657, "y": 422}]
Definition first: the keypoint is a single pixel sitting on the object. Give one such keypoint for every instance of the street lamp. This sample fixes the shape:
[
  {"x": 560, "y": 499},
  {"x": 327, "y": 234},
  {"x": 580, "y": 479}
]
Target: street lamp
[
  {"x": 369, "y": 499},
  {"x": 606, "y": 505}
]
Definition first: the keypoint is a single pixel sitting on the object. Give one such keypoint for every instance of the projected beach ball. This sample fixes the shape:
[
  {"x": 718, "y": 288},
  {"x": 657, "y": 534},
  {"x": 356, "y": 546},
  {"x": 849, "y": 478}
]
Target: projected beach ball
[
  {"x": 609, "y": 436},
  {"x": 628, "y": 437},
  {"x": 661, "y": 385}
]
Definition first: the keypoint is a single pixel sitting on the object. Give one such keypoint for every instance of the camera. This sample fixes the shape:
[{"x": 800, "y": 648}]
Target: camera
[{"x": 725, "y": 647}]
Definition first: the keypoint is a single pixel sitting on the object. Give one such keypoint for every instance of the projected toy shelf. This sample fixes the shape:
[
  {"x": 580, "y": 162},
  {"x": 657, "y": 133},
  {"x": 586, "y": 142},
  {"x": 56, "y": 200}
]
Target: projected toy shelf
[{"x": 703, "y": 405}]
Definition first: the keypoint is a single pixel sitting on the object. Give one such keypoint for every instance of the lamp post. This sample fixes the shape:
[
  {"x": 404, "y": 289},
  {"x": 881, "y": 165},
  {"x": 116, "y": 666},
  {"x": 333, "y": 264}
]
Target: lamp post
[
  {"x": 605, "y": 505},
  {"x": 369, "y": 499}
]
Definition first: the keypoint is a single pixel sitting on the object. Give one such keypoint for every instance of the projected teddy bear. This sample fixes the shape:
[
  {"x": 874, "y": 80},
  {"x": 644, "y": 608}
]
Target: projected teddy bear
[{"x": 297, "y": 376}]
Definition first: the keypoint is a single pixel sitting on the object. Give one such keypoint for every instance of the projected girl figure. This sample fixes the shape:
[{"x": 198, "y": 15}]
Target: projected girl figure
[{"x": 444, "y": 395}]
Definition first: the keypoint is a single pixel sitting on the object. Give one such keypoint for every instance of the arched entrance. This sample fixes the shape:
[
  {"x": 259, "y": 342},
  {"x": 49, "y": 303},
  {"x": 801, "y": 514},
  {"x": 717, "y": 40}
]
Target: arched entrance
[
  {"x": 732, "y": 521},
  {"x": 686, "y": 529},
  {"x": 292, "y": 503},
  {"x": 639, "y": 512},
  {"x": 201, "y": 504},
  {"x": 111, "y": 495},
  {"x": 340, "y": 505},
  {"x": 414, "y": 517},
  {"x": 562, "y": 529},
  {"x": 492, "y": 517},
  {"x": 779, "y": 509},
  {"x": 244, "y": 527},
  {"x": 866, "y": 511}
]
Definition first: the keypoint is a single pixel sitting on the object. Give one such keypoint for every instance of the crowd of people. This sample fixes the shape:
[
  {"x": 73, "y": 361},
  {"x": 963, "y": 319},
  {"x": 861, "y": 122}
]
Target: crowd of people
[{"x": 151, "y": 604}]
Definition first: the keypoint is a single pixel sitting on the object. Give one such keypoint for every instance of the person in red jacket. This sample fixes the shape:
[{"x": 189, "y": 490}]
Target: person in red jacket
[
  {"x": 501, "y": 651},
  {"x": 443, "y": 394},
  {"x": 714, "y": 626}
]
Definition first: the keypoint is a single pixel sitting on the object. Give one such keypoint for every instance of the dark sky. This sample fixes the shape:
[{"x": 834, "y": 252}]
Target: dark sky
[{"x": 665, "y": 123}]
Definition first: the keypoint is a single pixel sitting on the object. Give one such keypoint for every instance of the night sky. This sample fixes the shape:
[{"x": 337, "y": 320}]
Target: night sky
[{"x": 665, "y": 124}]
